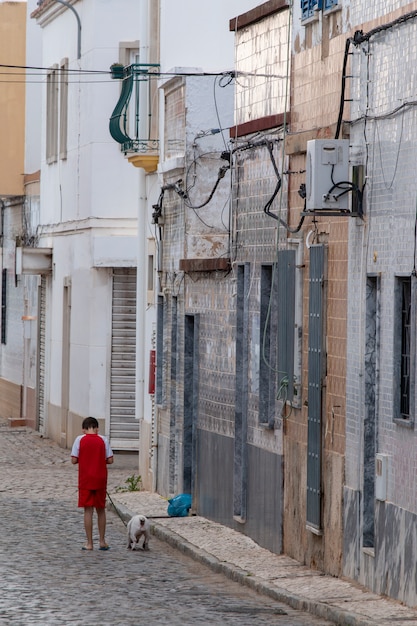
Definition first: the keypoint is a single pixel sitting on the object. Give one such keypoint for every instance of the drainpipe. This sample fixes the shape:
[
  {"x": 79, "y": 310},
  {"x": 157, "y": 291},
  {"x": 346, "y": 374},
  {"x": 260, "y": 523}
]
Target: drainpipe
[
  {"x": 148, "y": 53},
  {"x": 141, "y": 250},
  {"x": 154, "y": 57}
]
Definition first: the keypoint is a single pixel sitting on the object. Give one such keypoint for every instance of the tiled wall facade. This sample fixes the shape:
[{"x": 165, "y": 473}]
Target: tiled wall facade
[
  {"x": 174, "y": 139},
  {"x": 263, "y": 48},
  {"x": 315, "y": 96},
  {"x": 254, "y": 238},
  {"x": 257, "y": 237},
  {"x": 383, "y": 245},
  {"x": 365, "y": 13},
  {"x": 211, "y": 296}
]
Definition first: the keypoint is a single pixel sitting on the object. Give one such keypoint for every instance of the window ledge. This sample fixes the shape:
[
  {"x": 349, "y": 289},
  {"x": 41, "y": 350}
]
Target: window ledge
[
  {"x": 314, "y": 530},
  {"x": 269, "y": 426},
  {"x": 214, "y": 264},
  {"x": 404, "y": 423},
  {"x": 369, "y": 551},
  {"x": 313, "y": 18}
]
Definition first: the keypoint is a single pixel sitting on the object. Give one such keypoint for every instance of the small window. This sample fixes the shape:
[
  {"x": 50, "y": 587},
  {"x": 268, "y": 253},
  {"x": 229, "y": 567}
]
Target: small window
[
  {"x": 328, "y": 4},
  {"x": 52, "y": 90},
  {"x": 308, "y": 7},
  {"x": 129, "y": 55},
  {"x": 405, "y": 348},
  {"x": 57, "y": 112},
  {"x": 174, "y": 139},
  {"x": 404, "y": 351},
  {"x": 151, "y": 272},
  {"x": 268, "y": 356}
]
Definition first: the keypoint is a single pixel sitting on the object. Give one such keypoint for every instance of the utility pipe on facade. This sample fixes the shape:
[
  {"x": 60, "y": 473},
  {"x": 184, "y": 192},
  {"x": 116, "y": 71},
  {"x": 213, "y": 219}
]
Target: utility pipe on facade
[{"x": 142, "y": 211}]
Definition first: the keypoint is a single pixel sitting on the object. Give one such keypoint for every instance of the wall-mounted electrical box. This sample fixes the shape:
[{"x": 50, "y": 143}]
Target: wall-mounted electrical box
[
  {"x": 381, "y": 476},
  {"x": 327, "y": 171}
]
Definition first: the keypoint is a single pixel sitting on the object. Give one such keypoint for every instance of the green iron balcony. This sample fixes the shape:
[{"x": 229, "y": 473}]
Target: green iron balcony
[{"x": 126, "y": 126}]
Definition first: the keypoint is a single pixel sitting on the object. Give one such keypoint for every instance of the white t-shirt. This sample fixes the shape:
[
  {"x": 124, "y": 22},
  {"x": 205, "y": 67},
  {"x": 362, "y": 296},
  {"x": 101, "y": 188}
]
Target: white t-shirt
[{"x": 75, "y": 451}]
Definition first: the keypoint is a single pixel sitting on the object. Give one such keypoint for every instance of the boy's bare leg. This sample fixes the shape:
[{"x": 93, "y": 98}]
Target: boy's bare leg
[
  {"x": 88, "y": 526},
  {"x": 101, "y": 523}
]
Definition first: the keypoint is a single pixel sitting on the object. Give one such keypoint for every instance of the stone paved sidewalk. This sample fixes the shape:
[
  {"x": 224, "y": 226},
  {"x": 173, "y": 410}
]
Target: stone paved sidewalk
[{"x": 276, "y": 576}]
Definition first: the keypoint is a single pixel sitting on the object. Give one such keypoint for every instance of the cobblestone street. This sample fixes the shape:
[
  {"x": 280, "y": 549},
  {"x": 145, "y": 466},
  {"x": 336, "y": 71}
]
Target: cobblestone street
[{"x": 48, "y": 579}]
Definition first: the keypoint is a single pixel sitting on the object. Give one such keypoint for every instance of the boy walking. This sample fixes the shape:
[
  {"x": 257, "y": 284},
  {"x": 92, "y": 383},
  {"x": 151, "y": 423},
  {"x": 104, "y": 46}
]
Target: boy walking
[{"x": 93, "y": 453}]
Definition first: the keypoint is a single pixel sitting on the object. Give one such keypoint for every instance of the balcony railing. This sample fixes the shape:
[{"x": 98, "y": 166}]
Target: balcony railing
[{"x": 131, "y": 123}]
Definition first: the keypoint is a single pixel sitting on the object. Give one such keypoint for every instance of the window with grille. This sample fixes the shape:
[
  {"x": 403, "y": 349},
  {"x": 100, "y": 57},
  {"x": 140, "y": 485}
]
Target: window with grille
[
  {"x": 404, "y": 364},
  {"x": 405, "y": 347},
  {"x": 404, "y": 352},
  {"x": 268, "y": 345},
  {"x": 308, "y": 7}
]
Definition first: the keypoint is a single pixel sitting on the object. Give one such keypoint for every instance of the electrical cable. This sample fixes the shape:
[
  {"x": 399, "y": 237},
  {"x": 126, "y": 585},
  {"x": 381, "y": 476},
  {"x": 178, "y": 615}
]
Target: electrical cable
[
  {"x": 221, "y": 174},
  {"x": 275, "y": 192},
  {"x": 384, "y": 116},
  {"x": 360, "y": 37},
  {"x": 150, "y": 74},
  {"x": 343, "y": 88}
]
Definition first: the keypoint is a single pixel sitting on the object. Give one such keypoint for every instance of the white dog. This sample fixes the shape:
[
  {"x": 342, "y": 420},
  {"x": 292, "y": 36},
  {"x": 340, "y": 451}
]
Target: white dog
[{"x": 137, "y": 527}]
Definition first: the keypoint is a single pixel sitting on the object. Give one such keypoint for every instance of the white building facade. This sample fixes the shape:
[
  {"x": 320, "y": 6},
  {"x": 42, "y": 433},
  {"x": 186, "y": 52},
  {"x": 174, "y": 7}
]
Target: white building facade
[{"x": 88, "y": 222}]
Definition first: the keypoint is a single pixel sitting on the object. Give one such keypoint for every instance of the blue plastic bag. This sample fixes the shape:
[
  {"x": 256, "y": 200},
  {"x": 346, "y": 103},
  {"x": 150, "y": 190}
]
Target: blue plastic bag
[{"x": 180, "y": 505}]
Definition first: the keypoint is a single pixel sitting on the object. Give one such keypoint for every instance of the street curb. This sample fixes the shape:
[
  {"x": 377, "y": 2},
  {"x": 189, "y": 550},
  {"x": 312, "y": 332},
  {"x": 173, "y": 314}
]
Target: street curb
[{"x": 319, "y": 609}]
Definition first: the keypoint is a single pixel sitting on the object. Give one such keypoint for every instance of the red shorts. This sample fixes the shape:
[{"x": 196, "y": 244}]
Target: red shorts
[{"x": 90, "y": 497}]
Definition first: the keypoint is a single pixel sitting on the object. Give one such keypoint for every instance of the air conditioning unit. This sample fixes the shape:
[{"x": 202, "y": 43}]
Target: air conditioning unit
[{"x": 327, "y": 182}]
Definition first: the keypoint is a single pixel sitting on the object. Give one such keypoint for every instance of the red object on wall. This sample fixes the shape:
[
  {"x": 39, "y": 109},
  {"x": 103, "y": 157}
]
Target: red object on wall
[{"x": 151, "y": 385}]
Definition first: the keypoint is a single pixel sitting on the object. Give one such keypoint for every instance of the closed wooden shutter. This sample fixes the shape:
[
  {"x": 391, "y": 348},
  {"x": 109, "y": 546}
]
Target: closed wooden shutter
[
  {"x": 286, "y": 321},
  {"x": 315, "y": 375},
  {"x": 40, "y": 400},
  {"x": 124, "y": 427}
]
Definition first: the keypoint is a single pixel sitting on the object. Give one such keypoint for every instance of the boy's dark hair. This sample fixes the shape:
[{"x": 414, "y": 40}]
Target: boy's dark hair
[{"x": 90, "y": 422}]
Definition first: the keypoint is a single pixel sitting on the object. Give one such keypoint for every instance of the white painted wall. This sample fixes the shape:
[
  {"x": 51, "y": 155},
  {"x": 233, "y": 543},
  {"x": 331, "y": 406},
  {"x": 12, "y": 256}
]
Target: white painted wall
[
  {"x": 196, "y": 34},
  {"x": 93, "y": 194},
  {"x": 94, "y": 180}
]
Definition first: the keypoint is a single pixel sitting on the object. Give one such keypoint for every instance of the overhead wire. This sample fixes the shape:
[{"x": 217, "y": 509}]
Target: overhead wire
[
  {"x": 152, "y": 73},
  {"x": 359, "y": 38}
]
